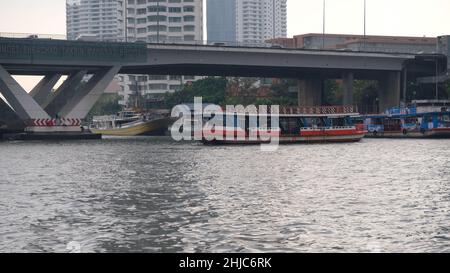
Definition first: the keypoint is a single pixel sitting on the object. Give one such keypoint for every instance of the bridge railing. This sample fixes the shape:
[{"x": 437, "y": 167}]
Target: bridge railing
[
  {"x": 32, "y": 35},
  {"x": 137, "y": 40},
  {"x": 164, "y": 40}
]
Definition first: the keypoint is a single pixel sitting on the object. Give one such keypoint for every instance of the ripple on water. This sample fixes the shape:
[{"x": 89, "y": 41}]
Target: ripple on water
[{"x": 153, "y": 195}]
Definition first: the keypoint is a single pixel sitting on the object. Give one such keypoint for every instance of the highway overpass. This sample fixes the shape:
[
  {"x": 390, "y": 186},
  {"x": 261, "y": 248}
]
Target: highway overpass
[{"x": 53, "y": 58}]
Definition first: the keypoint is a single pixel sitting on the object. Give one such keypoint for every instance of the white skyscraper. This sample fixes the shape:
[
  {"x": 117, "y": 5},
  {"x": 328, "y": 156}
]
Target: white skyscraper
[
  {"x": 162, "y": 21},
  {"x": 155, "y": 21},
  {"x": 260, "y": 20},
  {"x": 102, "y": 18}
]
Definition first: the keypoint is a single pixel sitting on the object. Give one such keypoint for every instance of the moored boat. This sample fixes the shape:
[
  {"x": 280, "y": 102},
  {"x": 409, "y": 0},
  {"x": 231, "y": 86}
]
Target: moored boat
[
  {"x": 422, "y": 119},
  {"x": 295, "y": 125},
  {"x": 131, "y": 123}
]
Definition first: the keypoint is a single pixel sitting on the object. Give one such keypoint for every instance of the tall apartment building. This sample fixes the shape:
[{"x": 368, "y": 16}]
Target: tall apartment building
[
  {"x": 260, "y": 20},
  {"x": 155, "y": 21},
  {"x": 102, "y": 18},
  {"x": 221, "y": 20},
  {"x": 246, "y": 21}
]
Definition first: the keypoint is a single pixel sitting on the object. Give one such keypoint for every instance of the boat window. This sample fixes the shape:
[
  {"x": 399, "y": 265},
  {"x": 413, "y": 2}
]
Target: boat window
[
  {"x": 392, "y": 124},
  {"x": 290, "y": 125},
  {"x": 338, "y": 122},
  {"x": 315, "y": 122},
  {"x": 444, "y": 119},
  {"x": 358, "y": 121},
  {"x": 411, "y": 121},
  {"x": 377, "y": 121}
]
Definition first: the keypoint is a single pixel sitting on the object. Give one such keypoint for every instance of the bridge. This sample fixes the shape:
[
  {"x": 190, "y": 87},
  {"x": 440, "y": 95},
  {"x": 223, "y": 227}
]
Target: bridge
[{"x": 72, "y": 101}]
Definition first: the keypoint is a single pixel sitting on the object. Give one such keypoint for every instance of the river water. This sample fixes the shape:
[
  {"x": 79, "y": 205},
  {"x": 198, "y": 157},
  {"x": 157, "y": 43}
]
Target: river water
[{"x": 156, "y": 195}]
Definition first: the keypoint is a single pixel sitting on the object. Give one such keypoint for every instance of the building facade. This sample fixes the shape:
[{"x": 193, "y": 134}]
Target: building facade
[
  {"x": 246, "y": 22},
  {"x": 260, "y": 20},
  {"x": 221, "y": 20},
  {"x": 161, "y": 21},
  {"x": 103, "y": 19},
  {"x": 152, "y": 21}
]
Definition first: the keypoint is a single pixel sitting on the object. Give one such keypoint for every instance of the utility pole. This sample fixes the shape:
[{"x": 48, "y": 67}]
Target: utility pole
[
  {"x": 323, "y": 25},
  {"x": 365, "y": 17}
]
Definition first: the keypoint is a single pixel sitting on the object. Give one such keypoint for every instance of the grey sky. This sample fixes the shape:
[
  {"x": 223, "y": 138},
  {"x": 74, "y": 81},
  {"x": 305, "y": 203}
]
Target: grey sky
[{"x": 384, "y": 17}]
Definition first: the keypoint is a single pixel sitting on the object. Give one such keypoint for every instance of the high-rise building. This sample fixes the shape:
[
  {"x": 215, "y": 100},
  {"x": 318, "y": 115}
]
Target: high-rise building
[
  {"x": 100, "y": 18},
  {"x": 153, "y": 21},
  {"x": 260, "y": 20},
  {"x": 246, "y": 21},
  {"x": 221, "y": 20},
  {"x": 161, "y": 21}
]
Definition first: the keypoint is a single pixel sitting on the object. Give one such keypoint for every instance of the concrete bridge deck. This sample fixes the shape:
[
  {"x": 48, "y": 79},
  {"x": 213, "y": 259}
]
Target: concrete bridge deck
[{"x": 102, "y": 60}]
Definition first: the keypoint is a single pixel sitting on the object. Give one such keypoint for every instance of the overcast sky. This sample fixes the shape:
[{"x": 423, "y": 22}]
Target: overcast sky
[{"x": 384, "y": 17}]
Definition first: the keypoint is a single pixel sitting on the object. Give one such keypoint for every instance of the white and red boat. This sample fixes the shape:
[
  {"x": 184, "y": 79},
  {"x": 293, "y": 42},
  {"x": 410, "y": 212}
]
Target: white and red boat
[{"x": 295, "y": 125}]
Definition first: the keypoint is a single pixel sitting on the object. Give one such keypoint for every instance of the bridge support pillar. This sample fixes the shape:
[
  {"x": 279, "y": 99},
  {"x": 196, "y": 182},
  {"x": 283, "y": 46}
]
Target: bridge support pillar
[
  {"x": 66, "y": 91},
  {"x": 310, "y": 92},
  {"x": 21, "y": 102},
  {"x": 9, "y": 118},
  {"x": 347, "y": 84},
  {"x": 389, "y": 92},
  {"x": 42, "y": 90},
  {"x": 85, "y": 98}
]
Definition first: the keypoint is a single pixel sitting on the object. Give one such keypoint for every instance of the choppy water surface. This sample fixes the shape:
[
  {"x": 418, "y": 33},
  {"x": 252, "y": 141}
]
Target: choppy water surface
[{"x": 154, "y": 195}]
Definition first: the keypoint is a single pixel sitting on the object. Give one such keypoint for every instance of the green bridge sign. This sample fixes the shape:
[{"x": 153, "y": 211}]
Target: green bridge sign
[{"x": 40, "y": 49}]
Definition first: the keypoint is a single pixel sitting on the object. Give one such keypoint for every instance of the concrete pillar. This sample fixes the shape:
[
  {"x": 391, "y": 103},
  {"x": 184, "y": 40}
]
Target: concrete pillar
[
  {"x": 42, "y": 90},
  {"x": 389, "y": 93},
  {"x": 86, "y": 97},
  {"x": 21, "y": 102},
  {"x": 66, "y": 91},
  {"x": 310, "y": 92},
  {"x": 347, "y": 84},
  {"x": 9, "y": 117}
]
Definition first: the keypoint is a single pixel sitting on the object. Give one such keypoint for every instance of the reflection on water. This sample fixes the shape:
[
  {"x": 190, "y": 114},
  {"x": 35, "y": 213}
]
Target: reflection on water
[{"x": 154, "y": 195}]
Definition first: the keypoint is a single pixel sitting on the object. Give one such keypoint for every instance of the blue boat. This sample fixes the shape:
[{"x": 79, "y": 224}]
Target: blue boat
[{"x": 421, "y": 119}]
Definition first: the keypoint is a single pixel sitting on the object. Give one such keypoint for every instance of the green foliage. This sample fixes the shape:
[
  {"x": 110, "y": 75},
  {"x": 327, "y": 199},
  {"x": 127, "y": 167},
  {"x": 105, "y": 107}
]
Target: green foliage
[
  {"x": 108, "y": 104},
  {"x": 365, "y": 92},
  {"x": 212, "y": 90},
  {"x": 281, "y": 94},
  {"x": 333, "y": 93},
  {"x": 427, "y": 91}
]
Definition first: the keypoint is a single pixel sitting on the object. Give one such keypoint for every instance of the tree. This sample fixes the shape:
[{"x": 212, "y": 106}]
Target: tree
[
  {"x": 108, "y": 104},
  {"x": 333, "y": 93},
  {"x": 211, "y": 89}
]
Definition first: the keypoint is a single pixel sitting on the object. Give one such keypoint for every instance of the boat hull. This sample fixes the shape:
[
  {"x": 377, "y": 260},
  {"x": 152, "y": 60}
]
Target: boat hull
[
  {"x": 294, "y": 139},
  {"x": 153, "y": 127},
  {"x": 434, "y": 133}
]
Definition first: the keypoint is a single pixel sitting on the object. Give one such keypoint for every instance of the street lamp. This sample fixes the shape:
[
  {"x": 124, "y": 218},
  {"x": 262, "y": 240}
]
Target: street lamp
[
  {"x": 365, "y": 17},
  {"x": 323, "y": 26}
]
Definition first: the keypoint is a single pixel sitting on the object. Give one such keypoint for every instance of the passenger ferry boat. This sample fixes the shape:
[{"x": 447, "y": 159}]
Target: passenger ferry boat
[
  {"x": 422, "y": 119},
  {"x": 296, "y": 125},
  {"x": 131, "y": 123}
]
